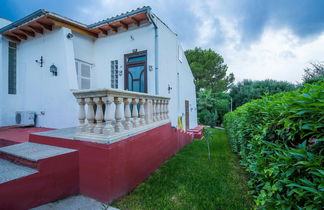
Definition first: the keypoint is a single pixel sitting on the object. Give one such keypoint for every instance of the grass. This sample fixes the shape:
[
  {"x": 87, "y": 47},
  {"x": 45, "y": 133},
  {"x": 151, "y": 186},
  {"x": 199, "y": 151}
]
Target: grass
[{"x": 189, "y": 180}]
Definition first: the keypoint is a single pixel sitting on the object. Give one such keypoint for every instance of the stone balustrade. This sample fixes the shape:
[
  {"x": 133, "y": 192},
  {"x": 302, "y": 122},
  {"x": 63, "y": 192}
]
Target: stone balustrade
[{"x": 110, "y": 115}]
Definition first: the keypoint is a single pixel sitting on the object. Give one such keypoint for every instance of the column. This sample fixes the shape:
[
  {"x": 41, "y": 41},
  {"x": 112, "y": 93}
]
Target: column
[
  {"x": 154, "y": 110},
  {"x": 109, "y": 116},
  {"x": 82, "y": 115},
  {"x": 119, "y": 126},
  {"x": 135, "y": 112},
  {"x": 99, "y": 116},
  {"x": 90, "y": 115},
  {"x": 157, "y": 114},
  {"x": 142, "y": 111},
  {"x": 128, "y": 125}
]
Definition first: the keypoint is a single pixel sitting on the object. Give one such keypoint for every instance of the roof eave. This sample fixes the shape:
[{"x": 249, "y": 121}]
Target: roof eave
[
  {"x": 23, "y": 20},
  {"x": 144, "y": 9}
]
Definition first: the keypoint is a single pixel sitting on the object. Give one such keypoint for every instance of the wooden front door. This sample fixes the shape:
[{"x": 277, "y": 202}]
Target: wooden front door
[
  {"x": 187, "y": 114},
  {"x": 136, "y": 71}
]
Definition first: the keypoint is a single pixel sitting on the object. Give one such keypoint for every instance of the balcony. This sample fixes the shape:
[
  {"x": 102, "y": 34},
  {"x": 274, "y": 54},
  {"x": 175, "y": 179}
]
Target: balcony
[{"x": 110, "y": 115}]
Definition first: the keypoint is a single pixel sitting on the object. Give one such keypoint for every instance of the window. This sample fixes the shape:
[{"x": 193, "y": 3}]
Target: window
[
  {"x": 114, "y": 74},
  {"x": 12, "y": 60},
  {"x": 83, "y": 74}
]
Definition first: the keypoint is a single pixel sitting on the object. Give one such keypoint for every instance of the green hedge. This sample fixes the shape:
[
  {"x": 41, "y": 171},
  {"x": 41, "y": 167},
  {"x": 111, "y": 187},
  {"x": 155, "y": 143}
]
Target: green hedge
[{"x": 280, "y": 141}]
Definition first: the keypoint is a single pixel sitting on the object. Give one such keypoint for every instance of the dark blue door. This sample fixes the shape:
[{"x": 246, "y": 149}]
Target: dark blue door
[{"x": 136, "y": 72}]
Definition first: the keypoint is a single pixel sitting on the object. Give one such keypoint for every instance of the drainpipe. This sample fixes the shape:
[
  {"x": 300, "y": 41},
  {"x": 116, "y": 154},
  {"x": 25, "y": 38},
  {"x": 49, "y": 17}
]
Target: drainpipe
[{"x": 156, "y": 50}]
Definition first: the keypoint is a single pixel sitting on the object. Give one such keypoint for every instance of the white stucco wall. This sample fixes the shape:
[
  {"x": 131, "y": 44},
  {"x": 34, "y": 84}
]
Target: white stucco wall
[
  {"x": 176, "y": 74},
  {"x": 114, "y": 47},
  {"x": 37, "y": 89}
]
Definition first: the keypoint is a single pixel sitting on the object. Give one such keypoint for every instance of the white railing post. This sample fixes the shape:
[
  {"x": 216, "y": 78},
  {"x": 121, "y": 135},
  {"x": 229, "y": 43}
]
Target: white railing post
[
  {"x": 82, "y": 115},
  {"x": 128, "y": 124},
  {"x": 162, "y": 110},
  {"x": 147, "y": 105},
  {"x": 90, "y": 115},
  {"x": 158, "y": 109},
  {"x": 142, "y": 111},
  {"x": 154, "y": 110},
  {"x": 99, "y": 116},
  {"x": 167, "y": 109},
  {"x": 109, "y": 116},
  {"x": 135, "y": 112},
  {"x": 119, "y": 126}
]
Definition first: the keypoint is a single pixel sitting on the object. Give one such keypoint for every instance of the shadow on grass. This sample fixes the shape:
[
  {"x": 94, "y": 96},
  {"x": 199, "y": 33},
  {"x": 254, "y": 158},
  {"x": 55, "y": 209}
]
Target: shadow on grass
[{"x": 188, "y": 180}]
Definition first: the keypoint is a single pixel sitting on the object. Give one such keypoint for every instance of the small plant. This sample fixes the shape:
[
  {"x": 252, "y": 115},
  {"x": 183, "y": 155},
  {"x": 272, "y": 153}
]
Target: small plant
[{"x": 207, "y": 134}]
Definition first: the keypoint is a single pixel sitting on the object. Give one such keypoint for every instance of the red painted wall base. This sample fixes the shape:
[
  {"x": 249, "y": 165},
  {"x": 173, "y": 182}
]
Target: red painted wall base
[
  {"x": 109, "y": 171},
  {"x": 57, "y": 177}
]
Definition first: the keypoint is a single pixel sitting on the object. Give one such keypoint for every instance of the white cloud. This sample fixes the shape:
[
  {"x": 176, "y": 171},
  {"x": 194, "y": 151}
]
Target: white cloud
[{"x": 278, "y": 55}]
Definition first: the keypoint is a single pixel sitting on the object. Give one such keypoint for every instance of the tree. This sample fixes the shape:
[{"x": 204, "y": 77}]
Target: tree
[
  {"x": 212, "y": 107},
  {"x": 209, "y": 70},
  {"x": 207, "y": 113},
  {"x": 248, "y": 90},
  {"x": 314, "y": 73}
]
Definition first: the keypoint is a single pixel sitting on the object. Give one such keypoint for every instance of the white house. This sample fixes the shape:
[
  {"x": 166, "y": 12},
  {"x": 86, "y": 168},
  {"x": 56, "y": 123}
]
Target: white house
[{"x": 45, "y": 56}]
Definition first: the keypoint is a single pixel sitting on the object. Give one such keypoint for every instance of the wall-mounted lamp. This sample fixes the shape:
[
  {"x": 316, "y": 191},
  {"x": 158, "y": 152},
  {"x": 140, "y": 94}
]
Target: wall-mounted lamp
[
  {"x": 120, "y": 73},
  {"x": 69, "y": 36},
  {"x": 53, "y": 70},
  {"x": 134, "y": 50},
  {"x": 131, "y": 37},
  {"x": 150, "y": 68},
  {"x": 169, "y": 88},
  {"x": 40, "y": 61}
]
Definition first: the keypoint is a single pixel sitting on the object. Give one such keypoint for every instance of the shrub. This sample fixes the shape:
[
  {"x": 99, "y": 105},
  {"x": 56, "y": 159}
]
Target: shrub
[{"x": 280, "y": 140}]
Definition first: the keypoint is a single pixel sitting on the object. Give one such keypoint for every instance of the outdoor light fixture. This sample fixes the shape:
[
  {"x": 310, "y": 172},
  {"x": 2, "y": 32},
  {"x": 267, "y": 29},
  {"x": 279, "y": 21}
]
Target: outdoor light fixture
[
  {"x": 134, "y": 50},
  {"x": 169, "y": 88},
  {"x": 150, "y": 68},
  {"x": 69, "y": 36},
  {"x": 40, "y": 61},
  {"x": 53, "y": 69},
  {"x": 131, "y": 37}
]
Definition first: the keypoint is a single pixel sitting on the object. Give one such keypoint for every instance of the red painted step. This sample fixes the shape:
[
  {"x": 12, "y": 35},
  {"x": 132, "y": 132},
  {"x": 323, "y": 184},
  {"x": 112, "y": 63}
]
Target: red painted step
[{"x": 34, "y": 174}]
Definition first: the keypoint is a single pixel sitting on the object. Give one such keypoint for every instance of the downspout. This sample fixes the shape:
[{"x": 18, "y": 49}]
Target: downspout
[{"x": 156, "y": 52}]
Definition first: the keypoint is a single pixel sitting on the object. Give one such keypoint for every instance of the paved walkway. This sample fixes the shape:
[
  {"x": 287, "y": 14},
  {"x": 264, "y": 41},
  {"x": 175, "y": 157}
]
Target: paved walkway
[
  {"x": 19, "y": 134},
  {"x": 78, "y": 202}
]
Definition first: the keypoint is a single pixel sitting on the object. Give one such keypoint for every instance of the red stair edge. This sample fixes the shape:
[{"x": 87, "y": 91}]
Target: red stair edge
[{"x": 18, "y": 160}]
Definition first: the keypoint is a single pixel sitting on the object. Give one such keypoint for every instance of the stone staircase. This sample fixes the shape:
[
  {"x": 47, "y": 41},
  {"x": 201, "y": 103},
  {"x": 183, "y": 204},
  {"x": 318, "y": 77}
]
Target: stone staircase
[{"x": 32, "y": 174}]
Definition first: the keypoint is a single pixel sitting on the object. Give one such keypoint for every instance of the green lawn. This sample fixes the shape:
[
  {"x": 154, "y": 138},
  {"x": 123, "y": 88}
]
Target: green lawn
[{"x": 189, "y": 180}]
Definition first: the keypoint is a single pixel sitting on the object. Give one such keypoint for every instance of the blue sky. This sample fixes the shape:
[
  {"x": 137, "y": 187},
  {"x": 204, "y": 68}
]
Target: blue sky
[{"x": 258, "y": 39}]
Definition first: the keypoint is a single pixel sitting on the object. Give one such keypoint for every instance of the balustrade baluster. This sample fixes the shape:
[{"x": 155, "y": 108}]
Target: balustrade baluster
[
  {"x": 109, "y": 116},
  {"x": 148, "y": 110},
  {"x": 90, "y": 115},
  {"x": 167, "y": 109},
  {"x": 82, "y": 115},
  {"x": 128, "y": 124},
  {"x": 135, "y": 112},
  {"x": 162, "y": 109},
  {"x": 142, "y": 111},
  {"x": 154, "y": 110},
  {"x": 99, "y": 116},
  {"x": 158, "y": 109},
  {"x": 118, "y": 126}
]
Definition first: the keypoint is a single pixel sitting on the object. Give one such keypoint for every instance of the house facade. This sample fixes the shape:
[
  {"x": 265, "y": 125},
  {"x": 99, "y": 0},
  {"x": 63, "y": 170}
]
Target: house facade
[{"x": 44, "y": 57}]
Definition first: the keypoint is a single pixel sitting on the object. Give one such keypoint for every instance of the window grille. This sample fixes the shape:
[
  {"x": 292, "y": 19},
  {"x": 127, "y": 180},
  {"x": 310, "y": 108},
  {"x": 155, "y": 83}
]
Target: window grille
[
  {"x": 12, "y": 65},
  {"x": 114, "y": 74}
]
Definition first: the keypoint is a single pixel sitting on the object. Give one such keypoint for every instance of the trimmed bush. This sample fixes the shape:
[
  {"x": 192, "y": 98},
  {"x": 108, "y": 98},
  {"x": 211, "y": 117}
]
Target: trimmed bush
[{"x": 280, "y": 141}]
